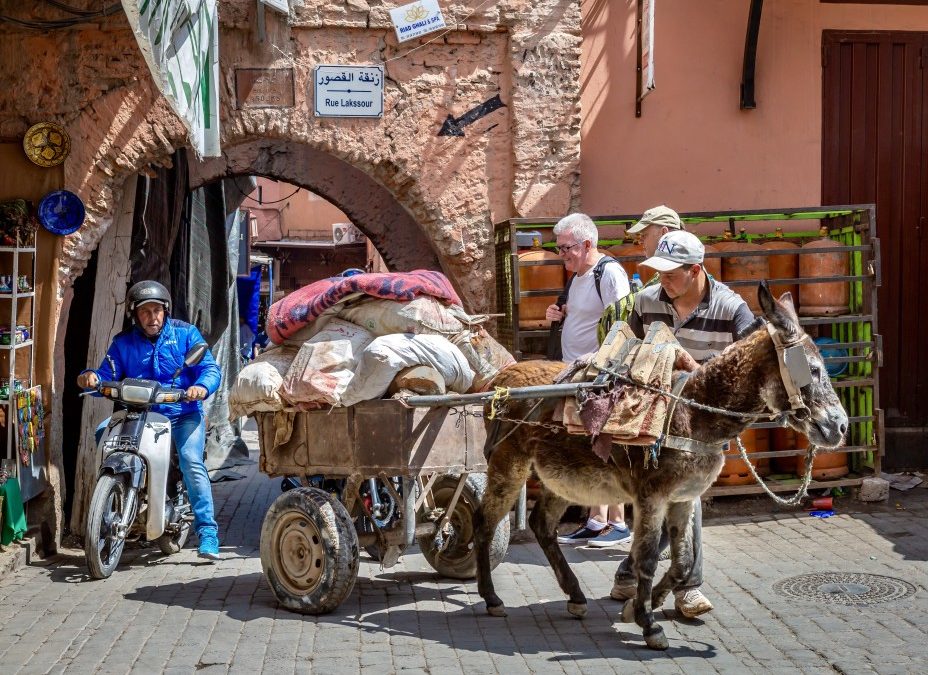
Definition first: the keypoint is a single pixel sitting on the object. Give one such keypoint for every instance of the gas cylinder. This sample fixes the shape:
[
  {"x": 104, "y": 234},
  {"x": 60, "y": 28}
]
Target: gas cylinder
[
  {"x": 825, "y": 466},
  {"x": 783, "y": 266},
  {"x": 743, "y": 267},
  {"x": 631, "y": 266},
  {"x": 537, "y": 277},
  {"x": 712, "y": 265},
  {"x": 735, "y": 471},
  {"x": 823, "y": 299}
]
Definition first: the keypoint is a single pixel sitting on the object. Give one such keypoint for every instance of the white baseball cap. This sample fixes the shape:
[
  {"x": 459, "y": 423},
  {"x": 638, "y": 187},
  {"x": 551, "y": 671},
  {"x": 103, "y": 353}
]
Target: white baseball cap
[{"x": 675, "y": 249}]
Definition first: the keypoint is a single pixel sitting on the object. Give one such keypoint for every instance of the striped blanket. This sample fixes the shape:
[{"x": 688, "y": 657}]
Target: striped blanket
[{"x": 288, "y": 315}]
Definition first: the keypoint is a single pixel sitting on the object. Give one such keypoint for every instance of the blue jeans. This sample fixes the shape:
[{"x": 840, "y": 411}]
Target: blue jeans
[
  {"x": 625, "y": 573},
  {"x": 189, "y": 435}
]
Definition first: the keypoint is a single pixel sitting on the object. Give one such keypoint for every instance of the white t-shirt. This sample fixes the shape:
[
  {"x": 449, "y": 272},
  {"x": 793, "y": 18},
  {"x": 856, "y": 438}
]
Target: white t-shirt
[{"x": 585, "y": 308}]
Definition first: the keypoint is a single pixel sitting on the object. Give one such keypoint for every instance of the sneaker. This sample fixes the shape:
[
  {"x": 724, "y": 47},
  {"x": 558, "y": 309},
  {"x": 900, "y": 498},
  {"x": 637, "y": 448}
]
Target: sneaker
[
  {"x": 209, "y": 546},
  {"x": 582, "y": 535},
  {"x": 691, "y": 603},
  {"x": 611, "y": 536}
]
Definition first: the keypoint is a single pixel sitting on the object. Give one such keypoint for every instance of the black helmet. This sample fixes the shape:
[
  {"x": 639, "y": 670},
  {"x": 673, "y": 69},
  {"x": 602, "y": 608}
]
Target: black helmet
[{"x": 147, "y": 291}]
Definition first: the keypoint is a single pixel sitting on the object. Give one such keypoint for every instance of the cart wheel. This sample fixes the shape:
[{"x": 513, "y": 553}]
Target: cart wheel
[
  {"x": 309, "y": 551},
  {"x": 458, "y": 557}
]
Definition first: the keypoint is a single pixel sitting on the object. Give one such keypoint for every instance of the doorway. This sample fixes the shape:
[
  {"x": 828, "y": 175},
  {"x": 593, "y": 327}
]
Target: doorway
[{"x": 875, "y": 149}]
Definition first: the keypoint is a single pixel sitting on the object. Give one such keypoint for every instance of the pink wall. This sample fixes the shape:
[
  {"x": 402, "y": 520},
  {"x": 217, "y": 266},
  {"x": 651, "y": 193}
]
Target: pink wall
[
  {"x": 693, "y": 148},
  {"x": 305, "y": 215}
]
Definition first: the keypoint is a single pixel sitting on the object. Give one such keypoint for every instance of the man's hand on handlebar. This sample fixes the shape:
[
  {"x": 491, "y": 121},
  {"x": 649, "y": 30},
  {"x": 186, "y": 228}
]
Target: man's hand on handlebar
[
  {"x": 195, "y": 393},
  {"x": 88, "y": 380}
]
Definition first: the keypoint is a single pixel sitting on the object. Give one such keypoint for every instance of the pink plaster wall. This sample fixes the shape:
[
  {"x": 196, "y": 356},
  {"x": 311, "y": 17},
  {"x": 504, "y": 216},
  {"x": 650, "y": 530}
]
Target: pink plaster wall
[
  {"x": 303, "y": 215},
  {"x": 693, "y": 148}
]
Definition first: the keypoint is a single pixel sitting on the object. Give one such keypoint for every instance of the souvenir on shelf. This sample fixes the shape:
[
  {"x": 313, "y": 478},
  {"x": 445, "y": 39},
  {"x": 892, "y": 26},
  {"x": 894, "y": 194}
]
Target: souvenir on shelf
[
  {"x": 30, "y": 426},
  {"x": 17, "y": 223}
]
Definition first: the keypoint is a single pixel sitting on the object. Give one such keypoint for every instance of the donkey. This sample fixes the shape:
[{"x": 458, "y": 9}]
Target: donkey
[{"x": 745, "y": 378}]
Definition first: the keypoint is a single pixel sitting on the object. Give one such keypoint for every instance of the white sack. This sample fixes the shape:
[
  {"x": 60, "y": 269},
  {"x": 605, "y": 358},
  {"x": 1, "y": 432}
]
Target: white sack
[
  {"x": 421, "y": 316},
  {"x": 325, "y": 364},
  {"x": 257, "y": 387},
  {"x": 484, "y": 354},
  {"x": 389, "y": 354}
]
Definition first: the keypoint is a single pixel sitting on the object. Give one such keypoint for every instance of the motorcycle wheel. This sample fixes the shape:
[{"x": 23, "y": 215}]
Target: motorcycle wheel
[
  {"x": 102, "y": 547},
  {"x": 458, "y": 560},
  {"x": 171, "y": 543}
]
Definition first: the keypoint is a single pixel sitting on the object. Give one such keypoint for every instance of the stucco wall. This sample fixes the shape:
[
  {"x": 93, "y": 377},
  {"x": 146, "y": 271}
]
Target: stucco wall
[{"x": 693, "y": 148}]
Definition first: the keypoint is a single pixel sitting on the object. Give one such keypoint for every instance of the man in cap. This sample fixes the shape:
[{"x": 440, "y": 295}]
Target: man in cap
[
  {"x": 706, "y": 316},
  {"x": 153, "y": 348}
]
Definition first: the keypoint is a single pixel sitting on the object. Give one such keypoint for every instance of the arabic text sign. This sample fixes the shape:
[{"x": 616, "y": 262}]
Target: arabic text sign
[
  {"x": 180, "y": 42},
  {"x": 416, "y": 19},
  {"x": 348, "y": 91}
]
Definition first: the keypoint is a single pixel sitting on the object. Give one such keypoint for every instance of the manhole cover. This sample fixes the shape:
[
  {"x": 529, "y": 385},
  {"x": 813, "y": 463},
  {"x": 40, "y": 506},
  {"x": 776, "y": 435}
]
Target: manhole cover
[{"x": 845, "y": 588}]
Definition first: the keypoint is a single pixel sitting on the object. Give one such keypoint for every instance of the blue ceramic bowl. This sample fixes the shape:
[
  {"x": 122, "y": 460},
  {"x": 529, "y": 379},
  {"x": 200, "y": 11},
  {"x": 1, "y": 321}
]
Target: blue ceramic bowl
[{"x": 61, "y": 212}]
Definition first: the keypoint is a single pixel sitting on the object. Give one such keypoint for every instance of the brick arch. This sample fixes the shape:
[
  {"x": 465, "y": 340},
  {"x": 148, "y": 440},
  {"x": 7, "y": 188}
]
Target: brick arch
[{"x": 390, "y": 226}]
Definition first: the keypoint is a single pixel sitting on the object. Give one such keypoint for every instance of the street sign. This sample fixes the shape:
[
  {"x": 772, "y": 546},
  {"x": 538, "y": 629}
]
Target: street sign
[
  {"x": 348, "y": 91},
  {"x": 417, "y": 19}
]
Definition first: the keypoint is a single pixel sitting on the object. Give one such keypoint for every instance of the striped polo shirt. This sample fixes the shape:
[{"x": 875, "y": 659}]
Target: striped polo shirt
[{"x": 719, "y": 319}]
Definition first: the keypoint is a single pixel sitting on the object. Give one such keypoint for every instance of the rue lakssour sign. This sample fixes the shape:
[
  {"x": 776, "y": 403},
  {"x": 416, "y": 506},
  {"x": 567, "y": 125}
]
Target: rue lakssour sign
[{"x": 348, "y": 91}]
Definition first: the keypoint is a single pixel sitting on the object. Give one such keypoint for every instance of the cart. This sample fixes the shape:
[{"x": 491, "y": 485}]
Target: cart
[{"x": 427, "y": 463}]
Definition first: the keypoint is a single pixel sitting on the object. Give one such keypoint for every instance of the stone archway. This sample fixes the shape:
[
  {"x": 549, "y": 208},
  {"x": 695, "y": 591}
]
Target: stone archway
[{"x": 402, "y": 243}]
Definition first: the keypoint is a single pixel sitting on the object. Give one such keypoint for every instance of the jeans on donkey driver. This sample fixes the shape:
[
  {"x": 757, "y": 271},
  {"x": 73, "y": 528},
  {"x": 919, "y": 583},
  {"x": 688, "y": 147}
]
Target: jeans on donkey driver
[
  {"x": 625, "y": 576},
  {"x": 189, "y": 437}
]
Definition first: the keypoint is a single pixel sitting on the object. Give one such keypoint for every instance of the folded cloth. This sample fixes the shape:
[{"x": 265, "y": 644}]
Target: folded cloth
[
  {"x": 12, "y": 514},
  {"x": 288, "y": 315}
]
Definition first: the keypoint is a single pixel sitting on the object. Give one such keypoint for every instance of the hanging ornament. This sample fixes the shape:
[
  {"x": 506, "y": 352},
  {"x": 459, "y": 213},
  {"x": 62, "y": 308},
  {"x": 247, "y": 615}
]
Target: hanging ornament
[{"x": 46, "y": 144}]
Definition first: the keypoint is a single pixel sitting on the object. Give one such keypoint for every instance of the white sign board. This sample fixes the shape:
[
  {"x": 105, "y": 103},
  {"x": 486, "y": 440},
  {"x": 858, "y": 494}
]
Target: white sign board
[
  {"x": 417, "y": 19},
  {"x": 647, "y": 47},
  {"x": 348, "y": 91},
  {"x": 180, "y": 42}
]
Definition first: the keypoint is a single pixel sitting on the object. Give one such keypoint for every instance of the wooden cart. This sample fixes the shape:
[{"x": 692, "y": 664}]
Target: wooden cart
[{"x": 428, "y": 461}]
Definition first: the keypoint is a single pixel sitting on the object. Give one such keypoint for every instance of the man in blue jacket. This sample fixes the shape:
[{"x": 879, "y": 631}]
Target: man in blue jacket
[{"x": 153, "y": 349}]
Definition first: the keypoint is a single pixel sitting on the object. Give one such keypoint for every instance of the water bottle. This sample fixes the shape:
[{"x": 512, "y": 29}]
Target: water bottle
[{"x": 635, "y": 283}]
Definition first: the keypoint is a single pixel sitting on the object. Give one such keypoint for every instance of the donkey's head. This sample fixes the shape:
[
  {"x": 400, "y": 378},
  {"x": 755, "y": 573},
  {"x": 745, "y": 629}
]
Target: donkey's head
[{"x": 803, "y": 391}]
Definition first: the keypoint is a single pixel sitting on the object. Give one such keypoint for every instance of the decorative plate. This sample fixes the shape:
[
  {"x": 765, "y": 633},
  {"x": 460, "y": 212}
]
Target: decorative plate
[
  {"x": 46, "y": 144},
  {"x": 61, "y": 212}
]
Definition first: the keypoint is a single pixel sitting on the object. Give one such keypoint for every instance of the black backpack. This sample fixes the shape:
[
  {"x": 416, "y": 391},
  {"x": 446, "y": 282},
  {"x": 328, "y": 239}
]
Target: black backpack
[{"x": 554, "y": 337}]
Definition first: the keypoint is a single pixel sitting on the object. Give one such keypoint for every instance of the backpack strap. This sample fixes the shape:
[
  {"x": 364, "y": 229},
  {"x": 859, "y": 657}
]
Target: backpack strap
[{"x": 598, "y": 271}]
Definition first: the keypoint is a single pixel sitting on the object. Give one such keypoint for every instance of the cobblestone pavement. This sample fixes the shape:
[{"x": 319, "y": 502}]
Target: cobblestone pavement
[{"x": 180, "y": 615}]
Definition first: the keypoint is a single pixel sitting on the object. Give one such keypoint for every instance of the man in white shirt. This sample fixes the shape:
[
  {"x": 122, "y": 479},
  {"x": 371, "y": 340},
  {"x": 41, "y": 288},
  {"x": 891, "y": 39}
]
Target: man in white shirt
[{"x": 598, "y": 281}]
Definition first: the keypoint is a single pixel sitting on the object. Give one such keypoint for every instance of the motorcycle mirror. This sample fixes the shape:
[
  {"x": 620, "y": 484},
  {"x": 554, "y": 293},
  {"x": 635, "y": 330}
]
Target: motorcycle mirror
[{"x": 195, "y": 354}]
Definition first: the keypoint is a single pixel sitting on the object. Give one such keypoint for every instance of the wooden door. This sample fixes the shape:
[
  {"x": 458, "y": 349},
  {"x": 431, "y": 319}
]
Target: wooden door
[{"x": 875, "y": 142}]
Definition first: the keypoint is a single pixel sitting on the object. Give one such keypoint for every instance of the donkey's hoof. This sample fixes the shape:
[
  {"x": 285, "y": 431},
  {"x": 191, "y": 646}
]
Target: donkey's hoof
[
  {"x": 628, "y": 611},
  {"x": 577, "y": 609},
  {"x": 497, "y": 610},
  {"x": 657, "y": 639}
]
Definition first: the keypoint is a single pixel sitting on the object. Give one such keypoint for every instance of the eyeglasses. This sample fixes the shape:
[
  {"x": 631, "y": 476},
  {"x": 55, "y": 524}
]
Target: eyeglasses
[{"x": 564, "y": 249}]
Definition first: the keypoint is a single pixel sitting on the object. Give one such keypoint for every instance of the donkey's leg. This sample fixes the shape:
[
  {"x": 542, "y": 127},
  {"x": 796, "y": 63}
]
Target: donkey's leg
[
  {"x": 507, "y": 471},
  {"x": 649, "y": 516},
  {"x": 545, "y": 517},
  {"x": 680, "y": 527}
]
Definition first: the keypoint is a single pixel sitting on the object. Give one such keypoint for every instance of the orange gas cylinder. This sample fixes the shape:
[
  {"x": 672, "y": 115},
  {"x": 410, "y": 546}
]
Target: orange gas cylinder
[
  {"x": 712, "y": 265},
  {"x": 743, "y": 267},
  {"x": 823, "y": 299},
  {"x": 537, "y": 277},
  {"x": 783, "y": 266},
  {"x": 627, "y": 249},
  {"x": 735, "y": 471},
  {"x": 825, "y": 466}
]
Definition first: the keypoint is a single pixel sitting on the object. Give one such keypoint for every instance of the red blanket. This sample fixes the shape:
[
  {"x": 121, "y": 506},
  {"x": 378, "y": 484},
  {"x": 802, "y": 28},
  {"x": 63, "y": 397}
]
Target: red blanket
[{"x": 288, "y": 315}]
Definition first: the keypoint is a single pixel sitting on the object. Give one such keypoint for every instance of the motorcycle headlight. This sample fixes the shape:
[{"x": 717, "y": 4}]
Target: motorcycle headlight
[{"x": 135, "y": 394}]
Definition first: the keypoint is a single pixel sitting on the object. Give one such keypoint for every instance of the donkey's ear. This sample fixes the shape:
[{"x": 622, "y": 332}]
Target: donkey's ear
[
  {"x": 783, "y": 317},
  {"x": 789, "y": 306}
]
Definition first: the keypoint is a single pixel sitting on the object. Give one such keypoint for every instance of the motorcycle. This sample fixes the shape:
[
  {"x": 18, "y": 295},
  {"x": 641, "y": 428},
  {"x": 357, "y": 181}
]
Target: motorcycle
[{"x": 140, "y": 493}]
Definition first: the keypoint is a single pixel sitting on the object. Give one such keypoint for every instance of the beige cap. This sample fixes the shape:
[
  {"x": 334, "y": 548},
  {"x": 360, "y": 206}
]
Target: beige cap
[{"x": 662, "y": 216}]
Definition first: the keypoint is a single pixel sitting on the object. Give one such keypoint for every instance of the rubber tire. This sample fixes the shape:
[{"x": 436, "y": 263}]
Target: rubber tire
[
  {"x": 336, "y": 538},
  {"x": 169, "y": 544},
  {"x": 461, "y": 562},
  {"x": 106, "y": 485}
]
